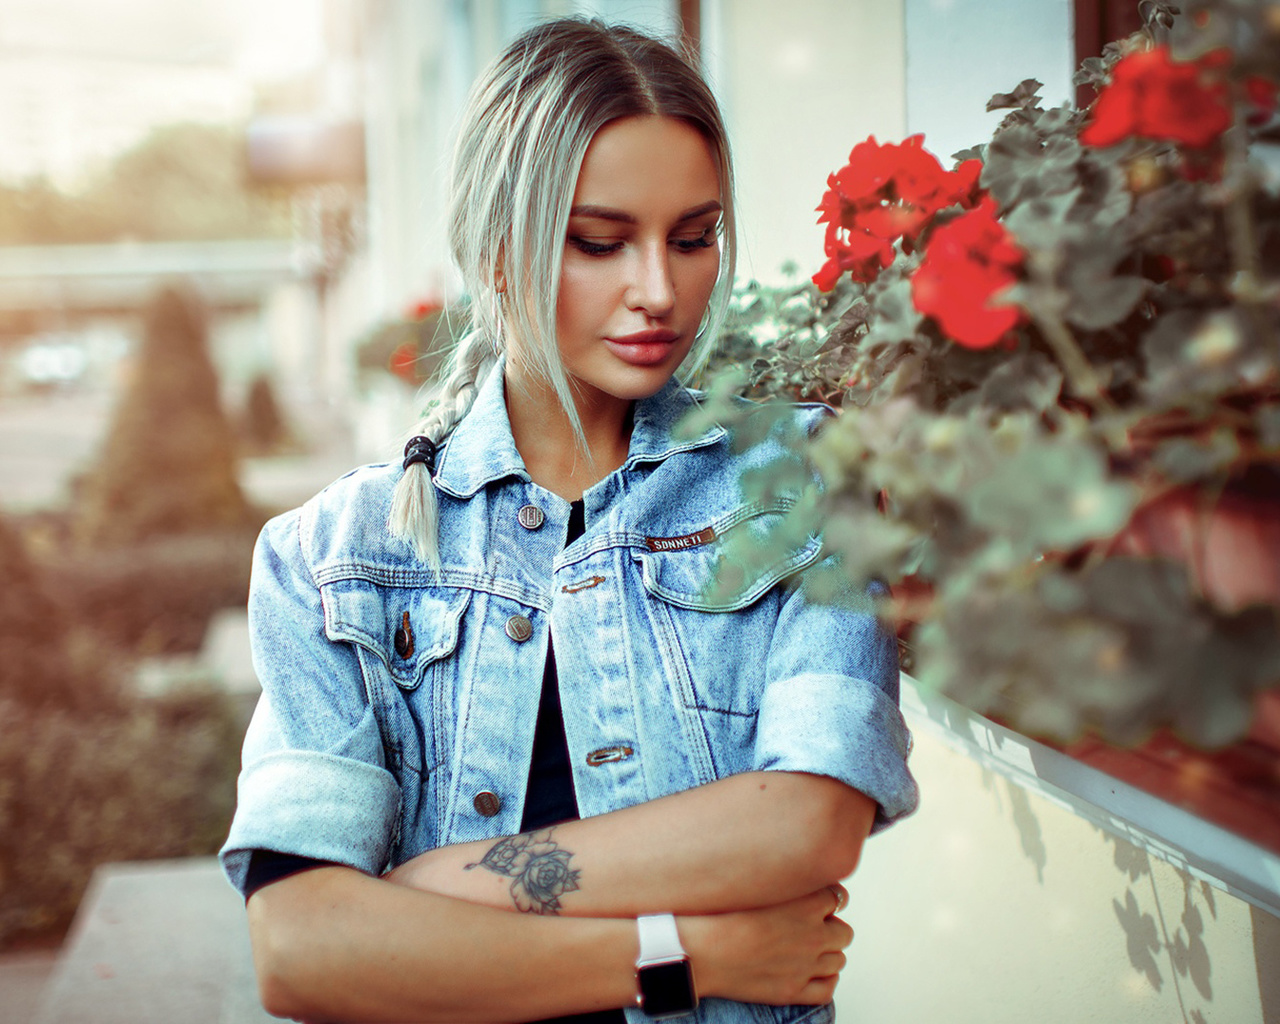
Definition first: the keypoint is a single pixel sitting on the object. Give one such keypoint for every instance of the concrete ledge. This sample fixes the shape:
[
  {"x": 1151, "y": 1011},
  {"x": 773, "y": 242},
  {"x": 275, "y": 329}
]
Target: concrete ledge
[{"x": 156, "y": 942}]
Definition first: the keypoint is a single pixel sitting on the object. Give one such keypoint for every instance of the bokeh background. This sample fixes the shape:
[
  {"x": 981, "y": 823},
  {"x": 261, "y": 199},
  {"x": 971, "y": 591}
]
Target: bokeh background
[{"x": 223, "y": 278}]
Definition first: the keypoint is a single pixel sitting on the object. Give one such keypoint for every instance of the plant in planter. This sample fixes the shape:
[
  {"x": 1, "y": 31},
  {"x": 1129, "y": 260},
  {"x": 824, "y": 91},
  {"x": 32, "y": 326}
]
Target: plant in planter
[{"x": 1058, "y": 373}]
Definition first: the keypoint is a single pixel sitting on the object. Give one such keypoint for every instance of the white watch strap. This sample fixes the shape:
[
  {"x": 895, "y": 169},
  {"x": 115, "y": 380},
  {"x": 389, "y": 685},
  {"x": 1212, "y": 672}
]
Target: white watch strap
[{"x": 659, "y": 939}]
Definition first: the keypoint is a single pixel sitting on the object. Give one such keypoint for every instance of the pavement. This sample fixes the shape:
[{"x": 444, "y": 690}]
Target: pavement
[{"x": 45, "y": 440}]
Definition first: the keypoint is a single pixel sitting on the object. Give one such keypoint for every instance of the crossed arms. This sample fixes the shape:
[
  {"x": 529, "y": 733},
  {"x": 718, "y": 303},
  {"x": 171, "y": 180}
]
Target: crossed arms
[{"x": 743, "y": 862}]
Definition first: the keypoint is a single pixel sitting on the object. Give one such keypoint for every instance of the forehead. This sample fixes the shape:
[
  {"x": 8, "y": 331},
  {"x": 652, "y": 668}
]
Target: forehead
[{"x": 647, "y": 165}]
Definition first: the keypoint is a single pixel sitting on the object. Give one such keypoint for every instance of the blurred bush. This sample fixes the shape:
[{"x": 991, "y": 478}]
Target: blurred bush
[
  {"x": 184, "y": 182},
  {"x": 261, "y": 424},
  {"x": 89, "y": 772},
  {"x": 143, "y": 779}
]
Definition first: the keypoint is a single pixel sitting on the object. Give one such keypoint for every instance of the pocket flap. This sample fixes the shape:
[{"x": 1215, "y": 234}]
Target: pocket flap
[
  {"x": 364, "y": 613},
  {"x": 742, "y": 561}
]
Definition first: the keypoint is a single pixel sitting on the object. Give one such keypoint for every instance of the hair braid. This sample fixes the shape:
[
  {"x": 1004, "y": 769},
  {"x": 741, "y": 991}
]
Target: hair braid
[{"x": 414, "y": 512}]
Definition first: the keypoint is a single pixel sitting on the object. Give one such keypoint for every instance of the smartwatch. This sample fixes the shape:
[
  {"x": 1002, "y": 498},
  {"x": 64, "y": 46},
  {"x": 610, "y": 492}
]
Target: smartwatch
[{"x": 664, "y": 975}]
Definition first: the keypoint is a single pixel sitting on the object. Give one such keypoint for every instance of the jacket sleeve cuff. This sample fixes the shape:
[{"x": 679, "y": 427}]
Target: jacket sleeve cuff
[
  {"x": 314, "y": 805},
  {"x": 844, "y": 728}
]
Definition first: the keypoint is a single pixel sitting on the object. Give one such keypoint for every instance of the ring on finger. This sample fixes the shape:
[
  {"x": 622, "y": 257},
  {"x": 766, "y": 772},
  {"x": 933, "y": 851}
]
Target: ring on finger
[{"x": 842, "y": 897}]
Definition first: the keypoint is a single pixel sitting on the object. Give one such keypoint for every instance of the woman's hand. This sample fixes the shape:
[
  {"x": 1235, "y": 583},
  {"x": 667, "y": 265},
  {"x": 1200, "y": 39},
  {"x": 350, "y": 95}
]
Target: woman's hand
[{"x": 779, "y": 955}]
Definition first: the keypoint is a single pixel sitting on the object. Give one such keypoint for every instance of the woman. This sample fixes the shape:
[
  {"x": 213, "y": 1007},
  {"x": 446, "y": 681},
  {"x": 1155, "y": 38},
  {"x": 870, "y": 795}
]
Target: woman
[{"x": 461, "y": 655}]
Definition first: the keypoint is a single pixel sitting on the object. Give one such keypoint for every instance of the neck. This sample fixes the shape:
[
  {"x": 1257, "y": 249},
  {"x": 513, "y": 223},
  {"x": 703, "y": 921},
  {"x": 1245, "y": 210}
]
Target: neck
[{"x": 546, "y": 441}]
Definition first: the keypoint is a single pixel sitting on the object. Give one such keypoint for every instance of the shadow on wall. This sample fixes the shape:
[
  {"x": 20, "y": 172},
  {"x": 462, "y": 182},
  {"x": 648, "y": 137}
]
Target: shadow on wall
[
  {"x": 1162, "y": 949},
  {"x": 1147, "y": 930}
]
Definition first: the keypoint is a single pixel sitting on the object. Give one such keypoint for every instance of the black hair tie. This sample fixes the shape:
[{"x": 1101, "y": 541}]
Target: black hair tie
[{"x": 421, "y": 449}]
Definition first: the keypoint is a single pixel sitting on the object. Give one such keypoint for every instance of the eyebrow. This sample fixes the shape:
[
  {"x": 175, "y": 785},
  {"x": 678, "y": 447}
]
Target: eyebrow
[{"x": 621, "y": 217}]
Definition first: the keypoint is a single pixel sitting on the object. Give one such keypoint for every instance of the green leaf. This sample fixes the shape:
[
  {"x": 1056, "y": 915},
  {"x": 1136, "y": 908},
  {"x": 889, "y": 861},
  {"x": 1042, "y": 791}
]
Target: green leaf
[
  {"x": 1268, "y": 420},
  {"x": 1186, "y": 459},
  {"x": 1099, "y": 301},
  {"x": 1023, "y": 96},
  {"x": 1051, "y": 496}
]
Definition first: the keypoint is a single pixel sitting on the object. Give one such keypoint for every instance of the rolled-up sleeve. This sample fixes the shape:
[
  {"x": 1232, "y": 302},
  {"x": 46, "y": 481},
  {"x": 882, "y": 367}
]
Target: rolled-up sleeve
[
  {"x": 313, "y": 780},
  {"x": 830, "y": 703}
]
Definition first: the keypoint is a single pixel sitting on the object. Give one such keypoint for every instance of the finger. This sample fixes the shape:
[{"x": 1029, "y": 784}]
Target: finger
[
  {"x": 830, "y": 964},
  {"x": 839, "y": 933},
  {"x": 818, "y": 991}
]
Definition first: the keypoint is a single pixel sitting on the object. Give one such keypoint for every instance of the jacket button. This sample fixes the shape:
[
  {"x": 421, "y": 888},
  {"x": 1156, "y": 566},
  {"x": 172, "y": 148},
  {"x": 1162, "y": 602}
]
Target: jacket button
[
  {"x": 519, "y": 628},
  {"x": 530, "y": 517},
  {"x": 487, "y": 803}
]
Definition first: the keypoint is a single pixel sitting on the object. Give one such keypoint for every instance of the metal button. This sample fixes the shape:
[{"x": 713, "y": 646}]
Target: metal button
[
  {"x": 519, "y": 628},
  {"x": 487, "y": 803},
  {"x": 531, "y": 517},
  {"x": 404, "y": 638}
]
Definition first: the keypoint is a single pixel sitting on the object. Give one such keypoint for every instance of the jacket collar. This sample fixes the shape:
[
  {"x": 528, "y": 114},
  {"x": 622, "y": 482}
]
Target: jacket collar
[{"x": 481, "y": 449}]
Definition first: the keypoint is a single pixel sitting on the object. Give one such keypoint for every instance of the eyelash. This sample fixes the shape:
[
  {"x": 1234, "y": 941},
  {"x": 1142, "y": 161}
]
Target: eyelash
[{"x": 687, "y": 245}]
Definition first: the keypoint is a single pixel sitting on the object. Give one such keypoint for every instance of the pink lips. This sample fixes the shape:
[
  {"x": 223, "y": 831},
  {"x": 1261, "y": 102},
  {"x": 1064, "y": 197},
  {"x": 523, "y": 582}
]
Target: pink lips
[{"x": 643, "y": 348}]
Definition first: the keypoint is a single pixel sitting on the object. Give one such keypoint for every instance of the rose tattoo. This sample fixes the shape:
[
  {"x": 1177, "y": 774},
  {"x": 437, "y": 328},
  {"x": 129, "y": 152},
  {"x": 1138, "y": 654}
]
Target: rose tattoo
[{"x": 539, "y": 870}]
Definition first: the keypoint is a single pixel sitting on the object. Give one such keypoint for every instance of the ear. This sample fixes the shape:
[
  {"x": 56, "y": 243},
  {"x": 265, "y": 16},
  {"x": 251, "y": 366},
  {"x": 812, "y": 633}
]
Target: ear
[{"x": 499, "y": 278}]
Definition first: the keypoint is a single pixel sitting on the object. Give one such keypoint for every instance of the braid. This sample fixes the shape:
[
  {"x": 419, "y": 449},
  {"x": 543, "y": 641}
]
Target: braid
[{"x": 413, "y": 516}]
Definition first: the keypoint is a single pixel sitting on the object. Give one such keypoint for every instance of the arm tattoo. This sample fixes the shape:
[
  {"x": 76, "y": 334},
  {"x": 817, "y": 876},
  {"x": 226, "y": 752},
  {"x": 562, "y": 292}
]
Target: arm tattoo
[{"x": 539, "y": 870}]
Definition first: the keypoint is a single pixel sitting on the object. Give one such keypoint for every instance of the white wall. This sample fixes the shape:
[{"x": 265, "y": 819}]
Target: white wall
[
  {"x": 800, "y": 84},
  {"x": 993, "y": 904},
  {"x": 959, "y": 53}
]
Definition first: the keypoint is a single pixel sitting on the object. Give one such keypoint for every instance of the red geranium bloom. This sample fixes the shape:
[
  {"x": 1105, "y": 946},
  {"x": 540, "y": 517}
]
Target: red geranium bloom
[
  {"x": 884, "y": 193},
  {"x": 855, "y": 251},
  {"x": 1156, "y": 97},
  {"x": 968, "y": 261}
]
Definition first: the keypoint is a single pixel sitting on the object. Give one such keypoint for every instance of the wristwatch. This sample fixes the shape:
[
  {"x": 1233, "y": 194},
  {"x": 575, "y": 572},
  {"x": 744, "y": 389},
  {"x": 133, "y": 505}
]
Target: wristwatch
[{"x": 663, "y": 973}]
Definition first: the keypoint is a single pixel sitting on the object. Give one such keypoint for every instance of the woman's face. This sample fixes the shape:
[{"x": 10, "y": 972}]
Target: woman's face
[{"x": 641, "y": 258}]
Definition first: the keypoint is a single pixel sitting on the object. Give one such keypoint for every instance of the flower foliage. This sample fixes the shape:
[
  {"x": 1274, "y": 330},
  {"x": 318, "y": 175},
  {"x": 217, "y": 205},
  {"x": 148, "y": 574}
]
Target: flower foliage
[{"x": 1031, "y": 352}]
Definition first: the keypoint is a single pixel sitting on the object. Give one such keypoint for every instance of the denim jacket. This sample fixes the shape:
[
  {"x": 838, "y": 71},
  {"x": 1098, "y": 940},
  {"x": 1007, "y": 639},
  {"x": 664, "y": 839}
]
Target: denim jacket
[{"x": 399, "y": 704}]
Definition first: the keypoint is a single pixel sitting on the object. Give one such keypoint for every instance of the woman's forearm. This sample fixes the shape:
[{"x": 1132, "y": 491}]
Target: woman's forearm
[
  {"x": 332, "y": 944},
  {"x": 750, "y": 840}
]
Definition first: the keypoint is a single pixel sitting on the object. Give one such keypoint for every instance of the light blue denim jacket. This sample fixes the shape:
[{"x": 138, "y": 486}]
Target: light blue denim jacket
[{"x": 368, "y": 752}]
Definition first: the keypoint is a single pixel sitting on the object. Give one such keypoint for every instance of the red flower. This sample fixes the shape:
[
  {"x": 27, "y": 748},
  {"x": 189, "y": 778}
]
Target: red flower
[
  {"x": 855, "y": 251},
  {"x": 423, "y": 309},
  {"x": 403, "y": 361},
  {"x": 1261, "y": 93},
  {"x": 1156, "y": 97},
  {"x": 968, "y": 261},
  {"x": 885, "y": 193}
]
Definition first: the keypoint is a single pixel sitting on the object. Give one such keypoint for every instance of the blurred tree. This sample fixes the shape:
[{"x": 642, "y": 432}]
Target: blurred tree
[
  {"x": 168, "y": 462},
  {"x": 262, "y": 424},
  {"x": 184, "y": 182},
  {"x": 36, "y": 660}
]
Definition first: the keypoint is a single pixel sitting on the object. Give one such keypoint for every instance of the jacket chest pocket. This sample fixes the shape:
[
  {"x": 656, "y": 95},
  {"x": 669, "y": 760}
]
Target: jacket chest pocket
[
  {"x": 709, "y": 604},
  {"x": 406, "y": 629},
  {"x": 401, "y": 636}
]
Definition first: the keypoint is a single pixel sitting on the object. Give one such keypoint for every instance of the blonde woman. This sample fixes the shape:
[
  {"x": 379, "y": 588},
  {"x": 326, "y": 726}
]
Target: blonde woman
[{"x": 515, "y": 758}]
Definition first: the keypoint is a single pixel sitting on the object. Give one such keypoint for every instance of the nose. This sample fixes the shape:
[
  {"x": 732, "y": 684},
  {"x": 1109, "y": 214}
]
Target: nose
[{"x": 652, "y": 290}]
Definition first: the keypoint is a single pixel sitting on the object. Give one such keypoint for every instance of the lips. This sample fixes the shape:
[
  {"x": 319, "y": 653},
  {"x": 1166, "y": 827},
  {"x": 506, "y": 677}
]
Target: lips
[{"x": 644, "y": 348}]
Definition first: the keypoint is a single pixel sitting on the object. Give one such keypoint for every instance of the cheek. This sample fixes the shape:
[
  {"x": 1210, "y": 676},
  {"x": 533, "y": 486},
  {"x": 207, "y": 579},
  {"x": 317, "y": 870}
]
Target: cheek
[
  {"x": 583, "y": 294},
  {"x": 700, "y": 278}
]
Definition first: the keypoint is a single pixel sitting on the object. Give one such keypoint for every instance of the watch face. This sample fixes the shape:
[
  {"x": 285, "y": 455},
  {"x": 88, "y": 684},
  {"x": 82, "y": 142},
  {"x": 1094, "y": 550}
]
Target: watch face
[{"x": 666, "y": 990}]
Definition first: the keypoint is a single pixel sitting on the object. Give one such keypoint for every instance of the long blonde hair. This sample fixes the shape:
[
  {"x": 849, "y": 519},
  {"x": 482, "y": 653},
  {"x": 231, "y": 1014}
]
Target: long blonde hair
[{"x": 521, "y": 142}]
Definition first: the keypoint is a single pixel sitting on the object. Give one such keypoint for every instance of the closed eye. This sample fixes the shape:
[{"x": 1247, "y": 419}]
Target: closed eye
[
  {"x": 703, "y": 241},
  {"x": 589, "y": 248}
]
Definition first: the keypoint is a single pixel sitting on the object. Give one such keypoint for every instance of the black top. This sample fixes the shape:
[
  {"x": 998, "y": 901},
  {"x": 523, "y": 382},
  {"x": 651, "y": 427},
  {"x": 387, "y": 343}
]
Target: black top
[{"x": 549, "y": 796}]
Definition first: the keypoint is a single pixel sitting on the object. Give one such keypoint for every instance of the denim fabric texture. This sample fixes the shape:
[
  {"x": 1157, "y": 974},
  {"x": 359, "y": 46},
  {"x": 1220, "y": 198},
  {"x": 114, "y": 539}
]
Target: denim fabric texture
[{"x": 368, "y": 749}]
